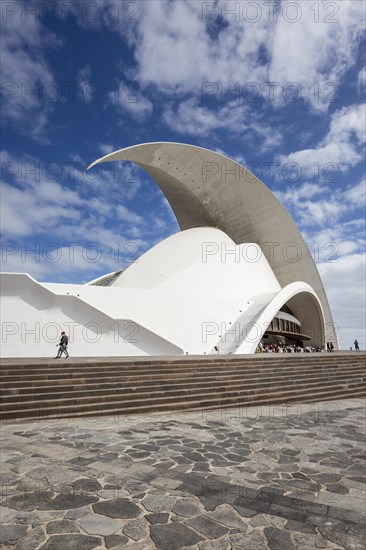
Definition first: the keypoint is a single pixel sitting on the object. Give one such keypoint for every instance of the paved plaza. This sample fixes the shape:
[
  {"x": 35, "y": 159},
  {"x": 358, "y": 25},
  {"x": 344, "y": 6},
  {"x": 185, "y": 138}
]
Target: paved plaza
[{"x": 278, "y": 478}]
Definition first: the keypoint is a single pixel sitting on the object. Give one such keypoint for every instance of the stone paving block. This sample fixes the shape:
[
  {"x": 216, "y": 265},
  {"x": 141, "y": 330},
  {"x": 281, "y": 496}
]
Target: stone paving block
[
  {"x": 95, "y": 524},
  {"x": 134, "y": 486},
  {"x": 278, "y": 539},
  {"x": 226, "y": 515},
  {"x": 220, "y": 544},
  {"x": 249, "y": 541},
  {"x": 158, "y": 517},
  {"x": 275, "y": 521},
  {"x": 32, "y": 540},
  {"x": 19, "y": 518},
  {"x": 312, "y": 540},
  {"x": 348, "y": 542},
  {"x": 86, "y": 485},
  {"x": 293, "y": 525},
  {"x": 28, "y": 501},
  {"x": 77, "y": 513},
  {"x": 10, "y": 534},
  {"x": 297, "y": 512},
  {"x": 186, "y": 507},
  {"x": 208, "y": 528},
  {"x": 71, "y": 542},
  {"x": 173, "y": 536},
  {"x": 111, "y": 494},
  {"x": 288, "y": 512},
  {"x": 115, "y": 541},
  {"x": 136, "y": 529},
  {"x": 259, "y": 521},
  {"x": 67, "y": 501},
  {"x": 347, "y": 515},
  {"x": 158, "y": 503},
  {"x": 117, "y": 508},
  {"x": 165, "y": 483},
  {"x": 62, "y": 526}
]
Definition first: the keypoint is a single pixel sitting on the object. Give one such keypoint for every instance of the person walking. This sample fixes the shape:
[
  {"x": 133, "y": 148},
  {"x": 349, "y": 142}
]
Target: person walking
[
  {"x": 357, "y": 347},
  {"x": 63, "y": 346}
]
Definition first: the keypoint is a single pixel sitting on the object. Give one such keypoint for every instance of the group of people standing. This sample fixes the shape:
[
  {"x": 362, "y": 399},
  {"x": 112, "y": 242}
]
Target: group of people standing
[{"x": 277, "y": 348}]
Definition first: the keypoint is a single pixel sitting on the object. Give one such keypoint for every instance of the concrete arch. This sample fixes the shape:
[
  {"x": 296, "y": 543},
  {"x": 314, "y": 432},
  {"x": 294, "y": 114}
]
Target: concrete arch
[
  {"x": 205, "y": 188},
  {"x": 305, "y": 305}
]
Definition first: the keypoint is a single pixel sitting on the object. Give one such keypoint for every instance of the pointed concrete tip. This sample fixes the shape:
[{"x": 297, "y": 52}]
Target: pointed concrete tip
[
  {"x": 92, "y": 164},
  {"x": 105, "y": 158}
]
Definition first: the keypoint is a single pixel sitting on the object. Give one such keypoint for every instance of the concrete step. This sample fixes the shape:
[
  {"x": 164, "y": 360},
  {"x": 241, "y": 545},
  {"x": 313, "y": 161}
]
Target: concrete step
[
  {"x": 103, "y": 409},
  {"x": 31, "y": 389},
  {"x": 68, "y": 381},
  {"x": 69, "y": 369},
  {"x": 259, "y": 360},
  {"x": 67, "y": 389},
  {"x": 185, "y": 393}
]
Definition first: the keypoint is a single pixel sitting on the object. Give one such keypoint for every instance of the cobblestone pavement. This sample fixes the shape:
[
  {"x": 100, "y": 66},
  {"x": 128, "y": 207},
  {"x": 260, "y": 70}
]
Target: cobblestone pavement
[{"x": 277, "y": 478}]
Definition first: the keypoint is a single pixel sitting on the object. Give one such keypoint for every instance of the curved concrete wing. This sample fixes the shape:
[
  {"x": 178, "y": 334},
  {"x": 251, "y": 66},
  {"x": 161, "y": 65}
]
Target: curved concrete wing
[{"x": 205, "y": 188}]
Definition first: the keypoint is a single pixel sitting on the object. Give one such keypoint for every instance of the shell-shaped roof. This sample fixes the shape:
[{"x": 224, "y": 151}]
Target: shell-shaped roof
[{"x": 205, "y": 188}]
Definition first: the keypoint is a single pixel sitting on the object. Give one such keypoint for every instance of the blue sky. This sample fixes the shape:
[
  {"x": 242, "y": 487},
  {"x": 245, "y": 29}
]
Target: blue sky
[{"x": 278, "y": 86}]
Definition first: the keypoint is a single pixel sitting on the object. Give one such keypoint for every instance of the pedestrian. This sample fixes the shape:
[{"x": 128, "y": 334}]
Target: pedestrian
[
  {"x": 331, "y": 347},
  {"x": 62, "y": 346},
  {"x": 328, "y": 347},
  {"x": 357, "y": 347}
]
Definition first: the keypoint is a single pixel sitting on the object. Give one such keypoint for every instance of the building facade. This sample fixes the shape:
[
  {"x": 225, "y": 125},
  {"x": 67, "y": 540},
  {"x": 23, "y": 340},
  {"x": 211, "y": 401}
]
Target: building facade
[{"x": 238, "y": 273}]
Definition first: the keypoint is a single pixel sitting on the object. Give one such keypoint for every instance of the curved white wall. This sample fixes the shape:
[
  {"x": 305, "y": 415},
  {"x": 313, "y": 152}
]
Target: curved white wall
[
  {"x": 207, "y": 188},
  {"x": 188, "y": 294}
]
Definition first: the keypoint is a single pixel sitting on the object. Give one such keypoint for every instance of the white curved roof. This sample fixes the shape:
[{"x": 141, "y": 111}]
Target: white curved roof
[{"x": 205, "y": 188}]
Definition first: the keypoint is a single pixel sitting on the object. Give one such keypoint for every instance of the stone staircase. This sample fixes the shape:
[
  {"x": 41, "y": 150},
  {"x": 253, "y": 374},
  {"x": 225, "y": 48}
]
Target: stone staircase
[{"x": 33, "y": 390}]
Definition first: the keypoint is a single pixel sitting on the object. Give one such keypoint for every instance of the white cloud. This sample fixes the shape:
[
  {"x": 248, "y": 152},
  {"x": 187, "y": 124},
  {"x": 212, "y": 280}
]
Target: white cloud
[
  {"x": 362, "y": 79},
  {"x": 70, "y": 260},
  {"x": 177, "y": 53},
  {"x": 357, "y": 194},
  {"x": 341, "y": 146},
  {"x": 238, "y": 158},
  {"x": 127, "y": 98},
  {"x": 322, "y": 211},
  {"x": 294, "y": 194},
  {"x": 34, "y": 204},
  {"x": 35, "y": 209},
  {"x": 315, "y": 51},
  {"x": 345, "y": 283},
  {"x": 26, "y": 74},
  {"x": 106, "y": 148},
  {"x": 127, "y": 216},
  {"x": 192, "y": 119},
  {"x": 39, "y": 215}
]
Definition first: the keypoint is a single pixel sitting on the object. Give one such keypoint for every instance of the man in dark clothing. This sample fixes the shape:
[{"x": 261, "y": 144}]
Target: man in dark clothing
[
  {"x": 357, "y": 347},
  {"x": 63, "y": 346}
]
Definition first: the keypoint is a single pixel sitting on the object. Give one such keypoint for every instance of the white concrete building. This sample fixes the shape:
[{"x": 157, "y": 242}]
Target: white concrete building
[{"x": 238, "y": 272}]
